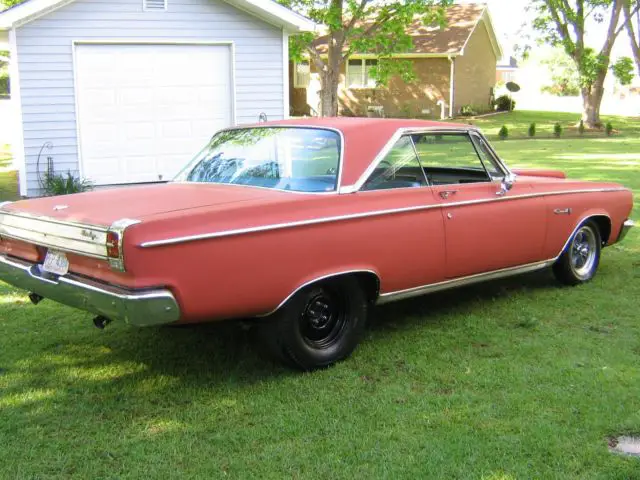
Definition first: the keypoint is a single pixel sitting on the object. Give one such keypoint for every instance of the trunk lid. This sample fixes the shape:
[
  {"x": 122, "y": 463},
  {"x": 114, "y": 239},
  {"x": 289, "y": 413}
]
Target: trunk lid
[{"x": 103, "y": 207}]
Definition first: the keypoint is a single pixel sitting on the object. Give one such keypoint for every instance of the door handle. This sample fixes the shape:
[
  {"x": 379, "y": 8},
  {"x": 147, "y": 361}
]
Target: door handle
[{"x": 447, "y": 193}]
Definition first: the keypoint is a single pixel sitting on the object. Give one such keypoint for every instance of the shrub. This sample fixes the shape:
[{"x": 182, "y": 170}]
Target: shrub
[
  {"x": 609, "y": 129},
  {"x": 503, "y": 133},
  {"x": 505, "y": 103},
  {"x": 4, "y": 84},
  {"x": 581, "y": 128},
  {"x": 557, "y": 130},
  {"x": 532, "y": 130},
  {"x": 58, "y": 184},
  {"x": 468, "y": 111}
]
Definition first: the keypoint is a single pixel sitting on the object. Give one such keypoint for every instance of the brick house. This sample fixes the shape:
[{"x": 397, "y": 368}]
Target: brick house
[{"x": 455, "y": 66}]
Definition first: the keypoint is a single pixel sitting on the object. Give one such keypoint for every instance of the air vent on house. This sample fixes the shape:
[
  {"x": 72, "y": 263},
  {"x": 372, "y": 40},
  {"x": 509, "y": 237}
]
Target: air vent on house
[{"x": 154, "y": 5}]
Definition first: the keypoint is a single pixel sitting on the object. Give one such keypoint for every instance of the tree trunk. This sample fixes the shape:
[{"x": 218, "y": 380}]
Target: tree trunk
[
  {"x": 329, "y": 93},
  {"x": 591, "y": 101}
]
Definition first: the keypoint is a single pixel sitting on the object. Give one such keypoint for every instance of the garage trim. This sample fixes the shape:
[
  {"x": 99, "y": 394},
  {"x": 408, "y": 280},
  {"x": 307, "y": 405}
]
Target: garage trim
[{"x": 143, "y": 41}]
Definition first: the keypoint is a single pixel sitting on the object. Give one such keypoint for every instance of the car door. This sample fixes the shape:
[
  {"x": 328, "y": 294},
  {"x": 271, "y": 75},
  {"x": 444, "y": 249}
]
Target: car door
[
  {"x": 487, "y": 228},
  {"x": 409, "y": 239}
]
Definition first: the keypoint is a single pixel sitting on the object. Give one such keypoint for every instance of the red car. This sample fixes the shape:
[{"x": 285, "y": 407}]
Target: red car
[{"x": 305, "y": 224}]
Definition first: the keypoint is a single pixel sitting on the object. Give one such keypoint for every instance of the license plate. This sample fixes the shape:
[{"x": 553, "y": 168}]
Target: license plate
[{"x": 56, "y": 262}]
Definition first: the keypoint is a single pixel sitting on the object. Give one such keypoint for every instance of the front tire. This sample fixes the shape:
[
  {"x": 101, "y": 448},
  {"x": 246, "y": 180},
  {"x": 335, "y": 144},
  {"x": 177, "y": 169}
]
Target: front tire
[
  {"x": 579, "y": 262},
  {"x": 320, "y": 325}
]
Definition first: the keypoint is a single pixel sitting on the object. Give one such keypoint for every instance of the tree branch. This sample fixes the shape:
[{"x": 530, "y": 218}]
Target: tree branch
[{"x": 612, "y": 31}]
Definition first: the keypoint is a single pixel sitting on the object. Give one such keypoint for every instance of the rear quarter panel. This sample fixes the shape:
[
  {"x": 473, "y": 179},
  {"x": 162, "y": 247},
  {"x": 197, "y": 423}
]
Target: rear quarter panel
[
  {"x": 584, "y": 200},
  {"x": 252, "y": 273}
]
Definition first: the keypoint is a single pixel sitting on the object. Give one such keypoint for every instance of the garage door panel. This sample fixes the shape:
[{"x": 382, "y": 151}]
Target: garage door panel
[{"x": 145, "y": 110}]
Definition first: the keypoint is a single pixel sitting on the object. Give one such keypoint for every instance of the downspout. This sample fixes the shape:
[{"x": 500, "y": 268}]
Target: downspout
[{"x": 452, "y": 84}]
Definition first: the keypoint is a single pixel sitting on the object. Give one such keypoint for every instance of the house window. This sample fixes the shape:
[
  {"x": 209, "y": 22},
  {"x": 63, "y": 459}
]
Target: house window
[
  {"x": 154, "y": 5},
  {"x": 359, "y": 73},
  {"x": 301, "y": 74}
]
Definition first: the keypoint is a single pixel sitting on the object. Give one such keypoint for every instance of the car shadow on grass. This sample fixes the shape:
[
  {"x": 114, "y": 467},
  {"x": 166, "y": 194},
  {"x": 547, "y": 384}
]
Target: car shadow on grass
[{"x": 438, "y": 308}]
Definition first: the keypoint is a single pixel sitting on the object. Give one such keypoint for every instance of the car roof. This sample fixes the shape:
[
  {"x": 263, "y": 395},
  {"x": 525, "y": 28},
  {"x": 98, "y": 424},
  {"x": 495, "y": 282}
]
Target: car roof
[{"x": 364, "y": 137}]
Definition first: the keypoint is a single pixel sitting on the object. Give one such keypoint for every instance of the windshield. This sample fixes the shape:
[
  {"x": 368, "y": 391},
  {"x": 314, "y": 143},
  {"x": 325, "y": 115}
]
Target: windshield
[{"x": 283, "y": 158}]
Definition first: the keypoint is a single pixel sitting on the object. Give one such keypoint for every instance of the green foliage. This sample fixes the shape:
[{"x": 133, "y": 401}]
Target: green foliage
[
  {"x": 468, "y": 111},
  {"x": 557, "y": 130},
  {"x": 368, "y": 26},
  {"x": 58, "y": 184},
  {"x": 623, "y": 70},
  {"x": 609, "y": 129},
  {"x": 532, "y": 130},
  {"x": 505, "y": 103},
  {"x": 503, "y": 133},
  {"x": 565, "y": 79},
  {"x": 10, "y": 3},
  {"x": 581, "y": 127},
  {"x": 4, "y": 84}
]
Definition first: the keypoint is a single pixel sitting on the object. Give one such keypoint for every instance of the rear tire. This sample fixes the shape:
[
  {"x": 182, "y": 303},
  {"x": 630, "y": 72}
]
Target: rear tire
[
  {"x": 320, "y": 325},
  {"x": 579, "y": 262}
]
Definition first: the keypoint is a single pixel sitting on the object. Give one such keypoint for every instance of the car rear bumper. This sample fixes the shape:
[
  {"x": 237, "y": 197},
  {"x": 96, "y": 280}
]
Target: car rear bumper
[
  {"x": 626, "y": 226},
  {"x": 136, "y": 307}
]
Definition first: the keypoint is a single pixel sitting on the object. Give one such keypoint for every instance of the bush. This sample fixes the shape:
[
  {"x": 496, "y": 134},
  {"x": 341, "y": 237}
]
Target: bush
[
  {"x": 532, "y": 130},
  {"x": 4, "y": 84},
  {"x": 581, "y": 128},
  {"x": 468, "y": 111},
  {"x": 58, "y": 184},
  {"x": 505, "y": 103},
  {"x": 557, "y": 130},
  {"x": 609, "y": 129},
  {"x": 503, "y": 133}
]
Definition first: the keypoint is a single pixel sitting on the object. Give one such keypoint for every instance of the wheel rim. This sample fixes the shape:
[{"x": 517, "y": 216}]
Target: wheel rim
[
  {"x": 583, "y": 252},
  {"x": 323, "y": 318}
]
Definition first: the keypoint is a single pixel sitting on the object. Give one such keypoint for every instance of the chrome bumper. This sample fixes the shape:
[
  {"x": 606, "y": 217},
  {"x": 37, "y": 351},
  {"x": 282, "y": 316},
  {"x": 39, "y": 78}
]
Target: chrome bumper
[
  {"x": 626, "y": 226},
  {"x": 136, "y": 307}
]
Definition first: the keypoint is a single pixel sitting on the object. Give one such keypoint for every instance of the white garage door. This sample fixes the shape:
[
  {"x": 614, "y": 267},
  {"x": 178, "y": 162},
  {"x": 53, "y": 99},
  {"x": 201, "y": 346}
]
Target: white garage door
[{"x": 145, "y": 110}]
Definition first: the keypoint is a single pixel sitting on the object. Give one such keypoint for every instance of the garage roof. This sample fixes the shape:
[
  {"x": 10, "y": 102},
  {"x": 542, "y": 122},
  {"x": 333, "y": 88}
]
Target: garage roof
[{"x": 268, "y": 10}]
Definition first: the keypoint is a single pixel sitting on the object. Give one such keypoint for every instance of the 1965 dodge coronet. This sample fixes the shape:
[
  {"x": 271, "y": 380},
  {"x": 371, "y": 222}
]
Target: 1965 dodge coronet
[{"x": 304, "y": 224}]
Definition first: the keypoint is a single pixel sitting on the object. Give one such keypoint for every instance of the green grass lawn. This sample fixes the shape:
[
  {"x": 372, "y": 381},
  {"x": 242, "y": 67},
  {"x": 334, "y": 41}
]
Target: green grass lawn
[
  {"x": 513, "y": 379},
  {"x": 8, "y": 178}
]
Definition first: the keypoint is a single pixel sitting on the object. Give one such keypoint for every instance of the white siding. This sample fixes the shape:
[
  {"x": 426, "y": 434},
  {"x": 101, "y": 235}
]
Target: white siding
[{"x": 46, "y": 63}]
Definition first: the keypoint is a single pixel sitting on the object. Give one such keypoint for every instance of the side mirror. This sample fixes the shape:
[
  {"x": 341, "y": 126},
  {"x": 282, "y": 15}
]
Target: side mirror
[{"x": 506, "y": 185}]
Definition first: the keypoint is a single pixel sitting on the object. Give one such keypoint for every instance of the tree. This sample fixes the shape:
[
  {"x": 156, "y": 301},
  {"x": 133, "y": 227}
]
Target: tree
[
  {"x": 563, "y": 22},
  {"x": 632, "y": 9},
  {"x": 9, "y": 3},
  {"x": 359, "y": 26}
]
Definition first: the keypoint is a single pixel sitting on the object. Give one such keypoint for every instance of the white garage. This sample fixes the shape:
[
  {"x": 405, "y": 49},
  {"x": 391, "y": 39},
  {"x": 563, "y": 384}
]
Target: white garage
[
  {"x": 144, "y": 109},
  {"x": 129, "y": 92}
]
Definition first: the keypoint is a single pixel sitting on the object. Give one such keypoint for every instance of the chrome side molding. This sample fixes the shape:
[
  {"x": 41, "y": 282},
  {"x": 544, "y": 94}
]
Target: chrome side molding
[
  {"x": 374, "y": 213},
  {"x": 461, "y": 282}
]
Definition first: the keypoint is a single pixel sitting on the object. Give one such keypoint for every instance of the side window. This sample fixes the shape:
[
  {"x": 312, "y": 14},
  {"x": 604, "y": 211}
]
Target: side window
[
  {"x": 487, "y": 158},
  {"x": 449, "y": 158},
  {"x": 400, "y": 168}
]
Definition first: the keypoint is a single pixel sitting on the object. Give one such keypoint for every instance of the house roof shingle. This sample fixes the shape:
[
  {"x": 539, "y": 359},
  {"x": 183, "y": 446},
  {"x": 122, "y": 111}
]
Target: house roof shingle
[{"x": 461, "y": 21}]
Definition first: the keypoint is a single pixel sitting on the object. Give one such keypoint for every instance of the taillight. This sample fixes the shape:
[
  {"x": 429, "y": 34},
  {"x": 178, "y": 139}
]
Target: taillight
[{"x": 113, "y": 244}]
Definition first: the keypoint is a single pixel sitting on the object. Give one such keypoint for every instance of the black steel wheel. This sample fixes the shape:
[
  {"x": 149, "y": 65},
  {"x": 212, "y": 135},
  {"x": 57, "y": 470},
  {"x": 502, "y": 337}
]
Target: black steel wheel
[
  {"x": 579, "y": 262},
  {"x": 319, "y": 326}
]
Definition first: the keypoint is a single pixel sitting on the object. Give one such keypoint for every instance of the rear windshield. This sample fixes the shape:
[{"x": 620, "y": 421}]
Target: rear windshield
[{"x": 282, "y": 158}]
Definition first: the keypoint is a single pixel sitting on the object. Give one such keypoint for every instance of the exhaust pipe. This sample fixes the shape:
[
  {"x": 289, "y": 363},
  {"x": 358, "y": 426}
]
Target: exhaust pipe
[
  {"x": 35, "y": 298},
  {"x": 101, "y": 322}
]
